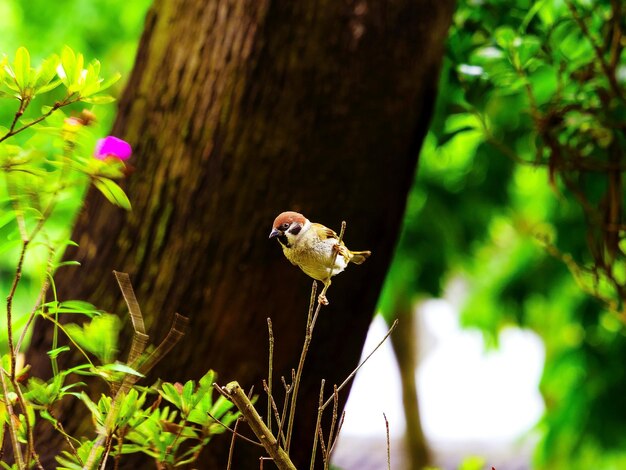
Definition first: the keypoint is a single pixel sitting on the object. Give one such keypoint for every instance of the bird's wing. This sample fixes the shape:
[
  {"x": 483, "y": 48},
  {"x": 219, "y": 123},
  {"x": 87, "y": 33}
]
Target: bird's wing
[{"x": 324, "y": 233}]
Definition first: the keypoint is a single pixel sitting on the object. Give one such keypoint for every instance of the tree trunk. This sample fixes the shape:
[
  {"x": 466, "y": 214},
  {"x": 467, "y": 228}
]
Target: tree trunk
[
  {"x": 238, "y": 110},
  {"x": 404, "y": 342}
]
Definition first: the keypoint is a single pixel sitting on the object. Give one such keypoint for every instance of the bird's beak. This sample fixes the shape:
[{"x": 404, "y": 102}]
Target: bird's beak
[{"x": 275, "y": 233}]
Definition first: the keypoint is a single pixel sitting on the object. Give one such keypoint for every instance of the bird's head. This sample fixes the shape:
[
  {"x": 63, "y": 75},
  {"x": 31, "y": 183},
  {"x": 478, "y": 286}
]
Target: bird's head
[{"x": 288, "y": 227}]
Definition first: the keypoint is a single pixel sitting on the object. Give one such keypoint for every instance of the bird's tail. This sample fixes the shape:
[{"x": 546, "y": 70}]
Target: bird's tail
[{"x": 359, "y": 256}]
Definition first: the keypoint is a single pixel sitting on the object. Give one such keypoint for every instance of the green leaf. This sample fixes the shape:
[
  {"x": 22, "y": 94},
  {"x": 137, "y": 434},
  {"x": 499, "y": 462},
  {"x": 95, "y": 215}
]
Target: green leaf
[
  {"x": 68, "y": 66},
  {"x": 112, "y": 192},
  {"x": 3, "y": 64},
  {"x": 169, "y": 392},
  {"x": 98, "y": 99},
  {"x": 21, "y": 68},
  {"x": 55, "y": 352},
  {"x": 92, "y": 79},
  {"x": 78, "y": 71},
  {"x": 47, "y": 416},
  {"x": 78, "y": 306},
  {"x": 93, "y": 408},
  {"x": 188, "y": 396},
  {"x": 505, "y": 37},
  {"x": 50, "y": 86},
  {"x": 119, "y": 367},
  {"x": 36, "y": 391},
  {"x": 528, "y": 50},
  {"x": 110, "y": 81},
  {"x": 46, "y": 72},
  {"x": 221, "y": 406},
  {"x": 98, "y": 336}
]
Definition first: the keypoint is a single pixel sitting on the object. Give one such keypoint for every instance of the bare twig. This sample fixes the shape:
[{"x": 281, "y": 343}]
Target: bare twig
[
  {"x": 318, "y": 424},
  {"x": 68, "y": 439},
  {"x": 341, "y": 421},
  {"x": 228, "y": 428},
  {"x": 270, "y": 367},
  {"x": 17, "y": 450},
  {"x": 305, "y": 348},
  {"x": 333, "y": 422},
  {"x": 33, "y": 312},
  {"x": 320, "y": 431},
  {"x": 30, "y": 444},
  {"x": 232, "y": 445},
  {"x": 274, "y": 409},
  {"x": 16, "y": 280},
  {"x": 353, "y": 373},
  {"x": 388, "y": 443},
  {"x": 283, "y": 417},
  {"x": 235, "y": 393}
]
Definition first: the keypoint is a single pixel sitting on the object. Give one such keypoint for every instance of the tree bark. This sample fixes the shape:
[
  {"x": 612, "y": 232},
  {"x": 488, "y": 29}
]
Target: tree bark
[
  {"x": 404, "y": 342},
  {"x": 238, "y": 110}
]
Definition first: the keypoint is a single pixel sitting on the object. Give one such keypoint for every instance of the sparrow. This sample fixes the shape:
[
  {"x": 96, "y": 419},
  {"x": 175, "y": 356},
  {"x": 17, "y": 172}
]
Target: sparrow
[{"x": 312, "y": 246}]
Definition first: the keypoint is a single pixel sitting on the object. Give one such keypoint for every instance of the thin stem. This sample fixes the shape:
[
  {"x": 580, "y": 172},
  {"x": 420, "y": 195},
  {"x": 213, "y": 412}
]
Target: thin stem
[
  {"x": 30, "y": 445},
  {"x": 235, "y": 393},
  {"x": 120, "y": 444},
  {"x": 17, "y": 450},
  {"x": 318, "y": 423},
  {"x": 107, "y": 452},
  {"x": 283, "y": 417},
  {"x": 353, "y": 373},
  {"x": 68, "y": 439},
  {"x": 333, "y": 422},
  {"x": 181, "y": 428},
  {"x": 320, "y": 431},
  {"x": 16, "y": 281},
  {"x": 274, "y": 409},
  {"x": 269, "y": 373},
  {"x": 232, "y": 445},
  {"x": 76, "y": 345},
  {"x": 18, "y": 114},
  {"x": 57, "y": 325},
  {"x": 341, "y": 421},
  {"x": 305, "y": 348},
  {"x": 247, "y": 439},
  {"x": 19, "y": 216},
  {"x": 388, "y": 443},
  {"x": 67, "y": 101},
  {"x": 33, "y": 312}
]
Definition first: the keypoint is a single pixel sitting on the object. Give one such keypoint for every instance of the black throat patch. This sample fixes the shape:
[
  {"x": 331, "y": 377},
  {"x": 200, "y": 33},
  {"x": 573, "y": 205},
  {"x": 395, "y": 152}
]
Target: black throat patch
[{"x": 284, "y": 241}]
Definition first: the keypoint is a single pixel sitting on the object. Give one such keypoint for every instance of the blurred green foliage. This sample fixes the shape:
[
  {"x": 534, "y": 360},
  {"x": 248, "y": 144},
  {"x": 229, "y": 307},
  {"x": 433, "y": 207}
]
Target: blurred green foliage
[
  {"x": 106, "y": 29},
  {"x": 519, "y": 194}
]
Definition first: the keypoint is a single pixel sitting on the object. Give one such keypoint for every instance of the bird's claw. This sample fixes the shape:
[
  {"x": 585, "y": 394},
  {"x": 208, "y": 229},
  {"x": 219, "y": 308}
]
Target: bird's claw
[{"x": 322, "y": 299}]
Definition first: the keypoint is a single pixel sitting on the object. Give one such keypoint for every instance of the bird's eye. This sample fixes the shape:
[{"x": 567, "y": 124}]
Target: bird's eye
[{"x": 285, "y": 226}]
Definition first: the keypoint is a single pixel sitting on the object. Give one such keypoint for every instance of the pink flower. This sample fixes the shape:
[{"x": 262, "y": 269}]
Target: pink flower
[{"x": 112, "y": 147}]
